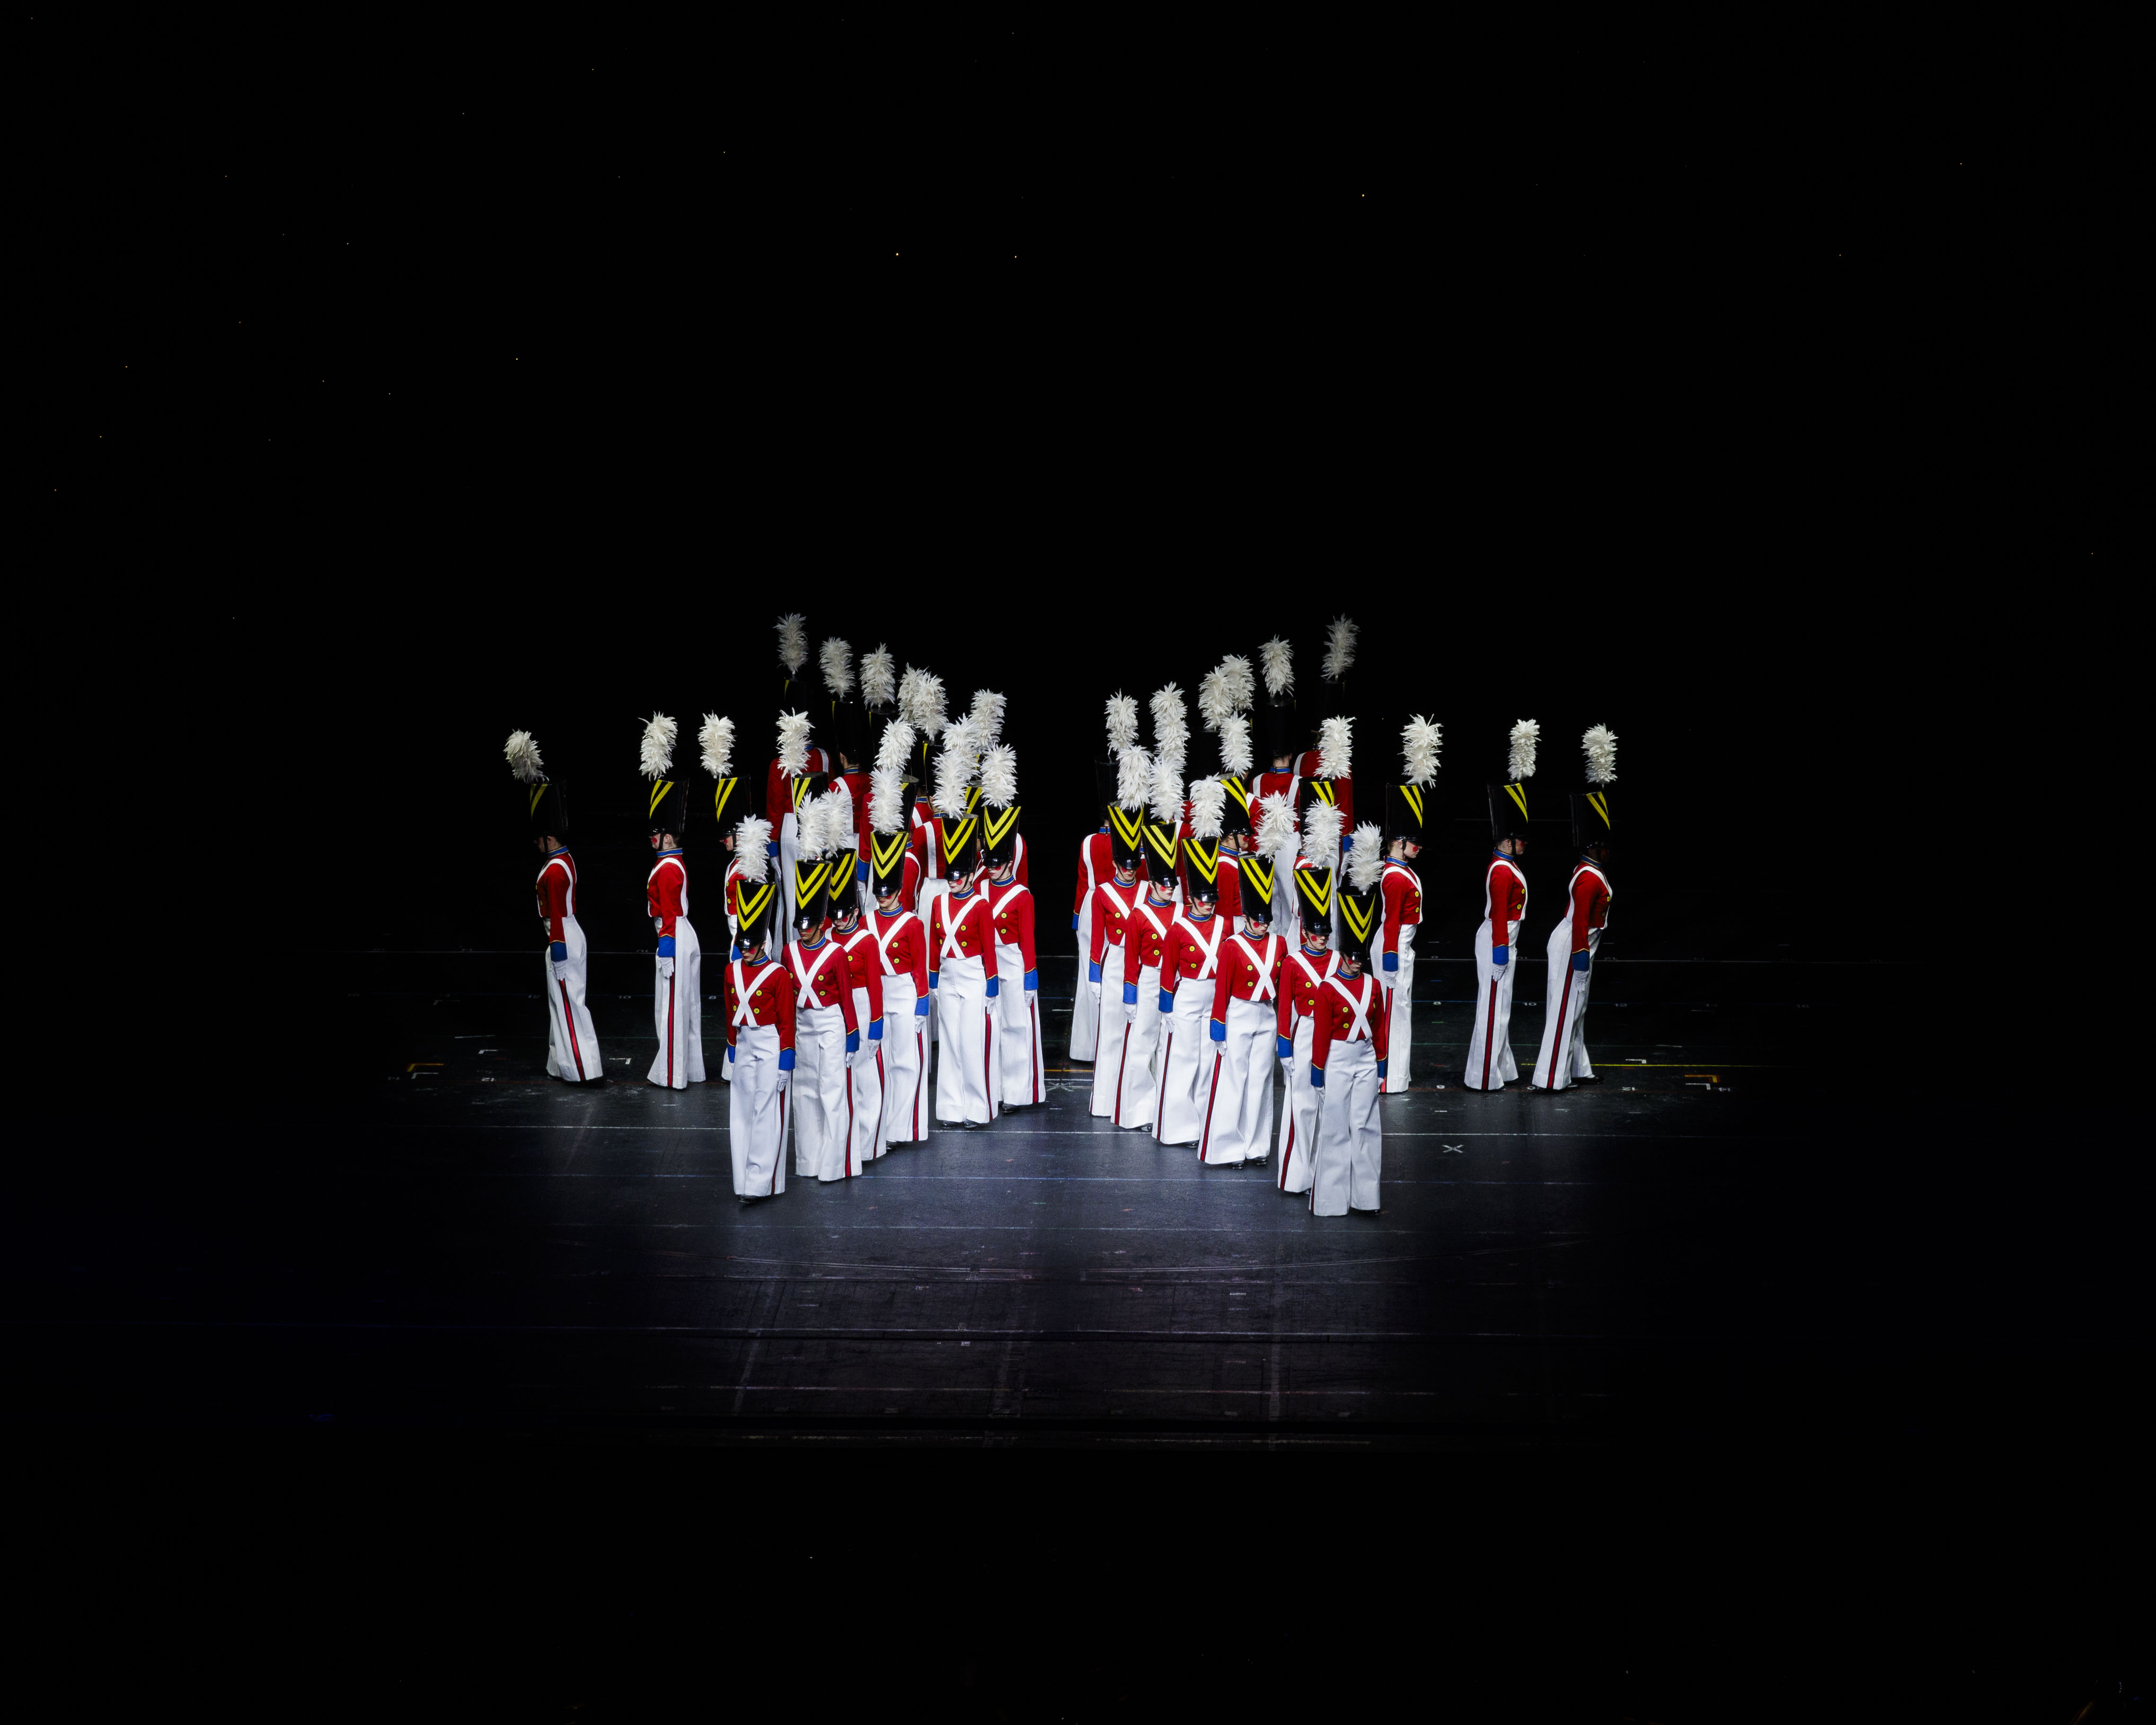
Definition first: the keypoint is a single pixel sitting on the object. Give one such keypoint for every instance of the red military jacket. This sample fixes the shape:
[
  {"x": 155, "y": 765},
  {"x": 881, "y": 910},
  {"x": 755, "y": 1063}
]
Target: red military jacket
[
  {"x": 1184, "y": 955},
  {"x": 1011, "y": 906},
  {"x": 1588, "y": 898},
  {"x": 770, "y": 996},
  {"x": 967, "y": 920},
  {"x": 832, "y": 985},
  {"x": 1250, "y": 970},
  {"x": 1336, "y": 1018},
  {"x": 1096, "y": 862},
  {"x": 778, "y": 786},
  {"x": 1403, "y": 896},
  {"x": 904, "y": 943},
  {"x": 667, "y": 891},
  {"x": 1301, "y": 980},
  {"x": 557, "y": 891},
  {"x": 1504, "y": 899},
  {"x": 1143, "y": 941},
  {"x": 864, "y": 966},
  {"x": 1112, "y": 906}
]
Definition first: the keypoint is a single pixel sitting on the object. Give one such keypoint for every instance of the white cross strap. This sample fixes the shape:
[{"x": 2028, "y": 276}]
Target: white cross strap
[
  {"x": 1265, "y": 965},
  {"x": 1212, "y": 951},
  {"x": 883, "y": 942},
  {"x": 807, "y": 978},
  {"x": 743, "y": 1015},
  {"x": 952, "y": 924},
  {"x": 1359, "y": 1031}
]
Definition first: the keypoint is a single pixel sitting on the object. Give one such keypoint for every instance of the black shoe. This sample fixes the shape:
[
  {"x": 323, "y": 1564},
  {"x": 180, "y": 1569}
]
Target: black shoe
[{"x": 1255, "y": 1161}]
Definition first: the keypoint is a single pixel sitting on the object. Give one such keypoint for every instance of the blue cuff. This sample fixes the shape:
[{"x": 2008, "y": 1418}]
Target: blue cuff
[
  {"x": 730, "y": 1052},
  {"x": 785, "y": 1059},
  {"x": 1284, "y": 1046},
  {"x": 665, "y": 946},
  {"x": 1579, "y": 962},
  {"x": 860, "y": 868},
  {"x": 1074, "y": 919},
  {"x": 995, "y": 984},
  {"x": 1167, "y": 1000},
  {"x": 733, "y": 953},
  {"x": 852, "y": 1042},
  {"x": 1217, "y": 1031},
  {"x": 1092, "y": 973},
  {"x": 1032, "y": 982},
  {"x": 1500, "y": 955},
  {"x": 932, "y": 982},
  {"x": 1130, "y": 994},
  {"x": 1381, "y": 1071},
  {"x": 559, "y": 952},
  {"x": 770, "y": 849},
  {"x": 921, "y": 1007},
  {"x": 876, "y": 1030},
  {"x": 1317, "y": 1078},
  {"x": 1392, "y": 961}
]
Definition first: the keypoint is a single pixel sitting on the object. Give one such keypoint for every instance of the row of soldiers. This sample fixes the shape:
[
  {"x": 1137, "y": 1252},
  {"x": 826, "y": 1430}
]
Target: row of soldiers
[
  {"x": 1244, "y": 917},
  {"x": 867, "y": 915}
]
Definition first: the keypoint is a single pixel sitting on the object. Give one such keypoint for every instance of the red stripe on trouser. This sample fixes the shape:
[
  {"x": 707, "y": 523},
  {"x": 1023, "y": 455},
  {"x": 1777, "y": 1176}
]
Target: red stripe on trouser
[
  {"x": 920, "y": 1075},
  {"x": 569, "y": 1019},
  {"x": 1489, "y": 1032},
  {"x": 669, "y": 1033},
  {"x": 1212, "y": 1095},
  {"x": 1032, "y": 1084},
  {"x": 778, "y": 1161},
  {"x": 849, "y": 1122},
  {"x": 988, "y": 1061},
  {"x": 1121, "y": 1061},
  {"x": 1287, "y": 1150},
  {"x": 1563, "y": 1006},
  {"x": 883, "y": 1105},
  {"x": 1160, "y": 1090}
]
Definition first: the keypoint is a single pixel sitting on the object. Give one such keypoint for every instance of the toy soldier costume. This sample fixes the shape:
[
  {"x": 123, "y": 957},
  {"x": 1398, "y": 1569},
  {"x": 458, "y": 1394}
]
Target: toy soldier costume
[
  {"x": 961, "y": 947},
  {"x": 1304, "y": 977},
  {"x": 864, "y": 974},
  {"x": 1023, "y": 1074},
  {"x": 1281, "y": 774},
  {"x": 1577, "y": 936},
  {"x": 677, "y": 984},
  {"x": 1410, "y": 810},
  {"x": 758, "y": 998},
  {"x": 1115, "y": 902},
  {"x": 1225, "y": 694},
  {"x": 902, "y": 942},
  {"x": 1244, "y": 1026},
  {"x": 1490, "y": 1062},
  {"x": 1096, "y": 863},
  {"x": 572, "y": 1046},
  {"x": 1189, "y": 976},
  {"x": 1145, "y": 944},
  {"x": 1348, "y": 1048}
]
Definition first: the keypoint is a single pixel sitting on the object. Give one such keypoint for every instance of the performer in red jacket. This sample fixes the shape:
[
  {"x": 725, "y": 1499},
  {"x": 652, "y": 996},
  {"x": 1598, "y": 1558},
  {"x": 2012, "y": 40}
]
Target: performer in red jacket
[
  {"x": 1347, "y": 1051},
  {"x": 864, "y": 972},
  {"x": 1490, "y": 1062},
  {"x": 1277, "y": 731},
  {"x": 1096, "y": 863},
  {"x": 677, "y": 999},
  {"x": 829, "y": 1033},
  {"x": 1577, "y": 936},
  {"x": 572, "y": 1046},
  {"x": 1239, "y": 1093},
  {"x": 1410, "y": 807},
  {"x": 902, "y": 945},
  {"x": 1189, "y": 974},
  {"x": 1115, "y": 900},
  {"x": 1020, "y": 1058},
  {"x": 1313, "y": 880},
  {"x": 759, "y": 996},
  {"x": 1145, "y": 944},
  {"x": 962, "y": 975}
]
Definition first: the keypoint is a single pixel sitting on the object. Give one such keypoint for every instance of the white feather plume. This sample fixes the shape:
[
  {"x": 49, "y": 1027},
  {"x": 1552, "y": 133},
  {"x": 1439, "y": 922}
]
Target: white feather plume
[
  {"x": 750, "y": 838},
  {"x": 1276, "y": 824},
  {"x": 1171, "y": 728},
  {"x": 1167, "y": 806},
  {"x": 1235, "y": 745},
  {"x": 1366, "y": 858},
  {"x": 522, "y": 754},
  {"x": 887, "y": 797},
  {"x": 1122, "y": 722},
  {"x": 716, "y": 744},
  {"x": 1321, "y": 832},
  {"x": 954, "y": 769},
  {"x": 1601, "y": 744},
  {"x": 1339, "y": 647},
  {"x": 809, "y": 827},
  {"x": 879, "y": 677},
  {"x": 793, "y": 642},
  {"x": 793, "y": 744},
  {"x": 1133, "y": 778},
  {"x": 1524, "y": 735},
  {"x": 837, "y": 826},
  {"x": 1277, "y": 659},
  {"x": 999, "y": 775},
  {"x": 1241, "y": 685},
  {"x": 837, "y": 658},
  {"x": 1335, "y": 747},
  {"x": 920, "y": 701},
  {"x": 988, "y": 717},
  {"x": 1209, "y": 801},
  {"x": 897, "y": 744},
  {"x": 1213, "y": 702},
  {"x": 1420, "y": 739},
  {"x": 656, "y": 754}
]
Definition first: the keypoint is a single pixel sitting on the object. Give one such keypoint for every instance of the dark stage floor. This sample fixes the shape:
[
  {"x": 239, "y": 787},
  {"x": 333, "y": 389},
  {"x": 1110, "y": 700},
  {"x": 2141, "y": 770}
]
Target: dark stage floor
[{"x": 1717, "y": 1237}]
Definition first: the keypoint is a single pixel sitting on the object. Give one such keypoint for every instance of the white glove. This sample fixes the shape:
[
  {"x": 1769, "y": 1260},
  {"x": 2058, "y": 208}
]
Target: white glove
[
  {"x": 1130, "y": 1014},
  {"x": 851, "y": 1057},
  {"x": 562, "y": 972},
  {"x": 666, "y": 968}
]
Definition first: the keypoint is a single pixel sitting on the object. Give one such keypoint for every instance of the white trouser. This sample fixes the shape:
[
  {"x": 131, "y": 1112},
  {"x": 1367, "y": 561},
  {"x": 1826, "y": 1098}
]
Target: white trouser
[
  {"x": 1490, "y": 1062},
  {"x": 572, "y": 1046},
  {"x": 965, "y": 1085},
  {"x": 1344, "y": 1175},
  {"x": 906, "y": 1108},
  {"x": 1564, "y": 1057},
  {"x": 1239, "y": 1089},
  {"x": 1110, "y": 1029},
  {"x": 1298, "y": 1117},
  {"x": 1024, "y": 1077},
  {"x": 1399, "y": 1034},
  {"x": 868, "y": 1075},
  {"x": 1086, "y": 1001},
  {"x": 1137, "y": 1085},
  {"x": 823, "y": 1100},
  {"x": 1186, "y": 1056},
  {"x": 930, "y": 890},
  {"x": 756, "y": 1112},
  {"x": 677, "y": 1012}
]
